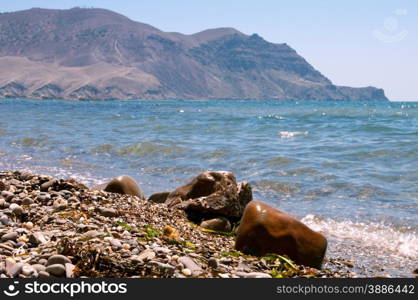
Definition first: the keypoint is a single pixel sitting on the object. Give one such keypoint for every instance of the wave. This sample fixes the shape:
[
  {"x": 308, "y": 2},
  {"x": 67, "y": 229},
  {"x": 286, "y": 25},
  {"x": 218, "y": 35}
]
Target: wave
[{"x": 399, "y": 241}]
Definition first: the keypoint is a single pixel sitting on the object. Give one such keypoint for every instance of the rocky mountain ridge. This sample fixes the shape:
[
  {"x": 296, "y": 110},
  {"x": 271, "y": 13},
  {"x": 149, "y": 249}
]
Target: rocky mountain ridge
[{"x": 98, "y": 54}]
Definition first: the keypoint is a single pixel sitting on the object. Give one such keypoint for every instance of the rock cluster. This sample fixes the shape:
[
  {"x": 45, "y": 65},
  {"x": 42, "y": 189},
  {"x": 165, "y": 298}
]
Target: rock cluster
[{"x": 59, "y": 228}]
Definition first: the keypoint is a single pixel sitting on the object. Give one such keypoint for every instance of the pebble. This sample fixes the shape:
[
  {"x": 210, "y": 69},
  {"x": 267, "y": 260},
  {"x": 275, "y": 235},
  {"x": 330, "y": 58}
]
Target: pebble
[
  {"x": 7, "y": 195},
  {"x": 37, "y": 238},
  {"x": 45, "y": 186},
  {"x": 58, "y": 259},
  {"x": 43, "y": 274},
  {"x": 5, "y": 220},
  {"x": 186, "y": 272},
  {"x": 145, "y": 255},
  {"x": 27, "y": 201},
  {"x": 190, "y": 264},
  {"x": 28, "y": 270},
  {"x": 56, "y": 270},
  {"x": 107, "y": 212},
  {"x": 16, "y": 209},
  {"x": 39, "y": 267},
  {"x": 116, "y": 244},
  {"x": 11, "y": 236},
  {"x": 126, "y": 246},
  {"x": 2, "y": 202},
  {"x": 28, "y": 225},
  {"x": 60, "y": 204}
]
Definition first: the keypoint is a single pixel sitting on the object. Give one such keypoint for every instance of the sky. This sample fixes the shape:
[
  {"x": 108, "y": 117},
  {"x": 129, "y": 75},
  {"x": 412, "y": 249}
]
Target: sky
[{"x": 354, "y": 43}]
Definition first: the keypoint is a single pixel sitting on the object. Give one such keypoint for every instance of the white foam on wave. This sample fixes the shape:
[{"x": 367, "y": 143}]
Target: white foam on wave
[
  {"x": 374, "y": 235},
  {"x": 290, "y": 134}
]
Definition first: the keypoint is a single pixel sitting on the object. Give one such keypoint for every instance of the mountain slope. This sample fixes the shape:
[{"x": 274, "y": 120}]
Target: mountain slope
[{"x": 99, "y": 54}]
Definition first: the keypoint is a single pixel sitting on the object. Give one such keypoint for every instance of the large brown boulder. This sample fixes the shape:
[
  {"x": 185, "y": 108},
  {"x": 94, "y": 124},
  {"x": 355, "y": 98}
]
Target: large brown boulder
[
  {"x": 212, "y": 194},
  {"x": 264, "y": 230},
  {"x": 124, "y": 185}
]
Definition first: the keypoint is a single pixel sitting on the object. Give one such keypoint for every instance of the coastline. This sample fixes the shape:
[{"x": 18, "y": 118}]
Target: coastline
[{"x": 103, "y": 234}]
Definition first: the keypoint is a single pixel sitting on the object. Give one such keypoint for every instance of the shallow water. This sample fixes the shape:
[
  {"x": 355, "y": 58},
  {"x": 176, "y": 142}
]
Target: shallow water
[{"x": 349, "y": 169}]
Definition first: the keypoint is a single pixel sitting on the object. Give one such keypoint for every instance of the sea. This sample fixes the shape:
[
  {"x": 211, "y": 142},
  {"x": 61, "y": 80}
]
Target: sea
[{"x": 346, "y": 169}]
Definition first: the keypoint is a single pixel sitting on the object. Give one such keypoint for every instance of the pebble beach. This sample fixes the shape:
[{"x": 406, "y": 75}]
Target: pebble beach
[{"x": 59, "y": 228}]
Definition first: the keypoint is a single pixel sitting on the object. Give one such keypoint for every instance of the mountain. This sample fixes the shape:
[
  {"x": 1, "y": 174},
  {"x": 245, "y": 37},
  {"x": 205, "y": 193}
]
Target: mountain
[{"x": 98, "y": 54}]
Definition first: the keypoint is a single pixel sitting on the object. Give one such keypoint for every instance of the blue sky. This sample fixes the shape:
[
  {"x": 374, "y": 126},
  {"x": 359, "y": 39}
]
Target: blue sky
[{"x": 354, "y": 43}]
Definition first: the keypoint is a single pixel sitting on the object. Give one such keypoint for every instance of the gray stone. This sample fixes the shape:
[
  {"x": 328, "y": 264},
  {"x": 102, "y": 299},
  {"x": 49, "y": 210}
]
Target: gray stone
[
  {"x": 190, "y": 264},
  {"x": 165, "y": 268},
  {"x": 58, "y": 259},
  {"x": 28, "y": 270},
  {"x": 56, "y": 270},
  {"x": 43, "y": 274},
  {"x": 116, "y": 244},
  {"x": 5, "y": 220},
  {"x": 39, "y": 267},
  {"x": 145, "y": 255},
  {"x": 11, "y": 236},
  {"x": 7, "y": 195}
]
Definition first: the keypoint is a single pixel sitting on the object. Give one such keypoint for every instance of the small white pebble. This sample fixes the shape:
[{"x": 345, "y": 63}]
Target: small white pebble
[
  {"x": 222, "y": 275},
  {"x": 186, "y": 272}
]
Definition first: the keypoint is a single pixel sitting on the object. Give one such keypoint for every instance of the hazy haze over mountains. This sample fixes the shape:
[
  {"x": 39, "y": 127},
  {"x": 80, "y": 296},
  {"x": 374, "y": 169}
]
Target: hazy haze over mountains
[{"x": 98, "y": 54}]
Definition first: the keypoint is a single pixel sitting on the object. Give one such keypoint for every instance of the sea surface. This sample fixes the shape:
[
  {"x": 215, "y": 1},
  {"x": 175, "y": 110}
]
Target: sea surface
[{"x": 347, "y": 169}]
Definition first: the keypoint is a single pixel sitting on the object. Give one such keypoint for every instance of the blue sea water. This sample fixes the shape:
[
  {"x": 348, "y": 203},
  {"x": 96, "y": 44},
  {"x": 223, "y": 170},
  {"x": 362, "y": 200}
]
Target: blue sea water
[{"x": 347, "y": 169}]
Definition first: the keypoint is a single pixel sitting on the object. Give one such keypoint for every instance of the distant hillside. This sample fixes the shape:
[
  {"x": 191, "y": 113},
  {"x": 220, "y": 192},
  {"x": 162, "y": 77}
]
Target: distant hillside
[{"x": 98, "y": 54}]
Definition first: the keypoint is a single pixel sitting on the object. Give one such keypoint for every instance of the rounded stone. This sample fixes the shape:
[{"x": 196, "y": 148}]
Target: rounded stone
[
  {"x": 58, "y": 259},
  {"x": 264, "y": 229},
  {"x": 56, "y": 270}
]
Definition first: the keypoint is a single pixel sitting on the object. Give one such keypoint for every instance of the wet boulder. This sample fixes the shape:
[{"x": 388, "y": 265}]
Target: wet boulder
[
  {"x": 212, "y": 194},
  {"x": 160, "y": 197},
  {"x": 264, "y": 230},
  {"x": 124, "y": 185}
]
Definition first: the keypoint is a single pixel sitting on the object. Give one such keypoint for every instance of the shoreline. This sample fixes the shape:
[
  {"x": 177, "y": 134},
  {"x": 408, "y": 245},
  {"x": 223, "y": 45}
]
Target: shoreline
[
  {"x": 103, "y": 234},
  {"x": 111, "y": 235}
]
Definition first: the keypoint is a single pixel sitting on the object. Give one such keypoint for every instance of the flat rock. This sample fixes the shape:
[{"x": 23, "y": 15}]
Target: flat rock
[
  {"x": 145, "y": 255},
  {"x": 190, "y": 264},
  {"x": 58, "y": 259}
]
